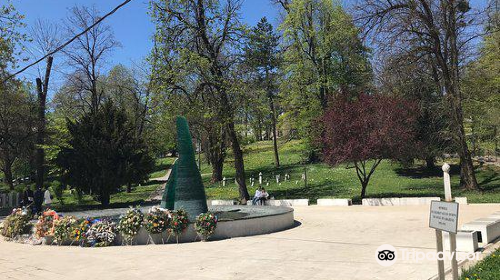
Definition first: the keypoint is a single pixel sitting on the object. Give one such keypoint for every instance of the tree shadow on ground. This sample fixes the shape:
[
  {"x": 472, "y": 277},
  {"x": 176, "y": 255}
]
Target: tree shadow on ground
[
  {"x": 490, "y": 183},
  {"x": 420, "y": 172},
  {"x": 311, "y": 192}
]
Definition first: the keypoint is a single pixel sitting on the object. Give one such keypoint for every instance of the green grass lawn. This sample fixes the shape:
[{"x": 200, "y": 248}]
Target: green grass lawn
[
  {"x": 390, "y": 179},
  {"x": 487, "y": 269},
  {"x": 138, "y": 195}
]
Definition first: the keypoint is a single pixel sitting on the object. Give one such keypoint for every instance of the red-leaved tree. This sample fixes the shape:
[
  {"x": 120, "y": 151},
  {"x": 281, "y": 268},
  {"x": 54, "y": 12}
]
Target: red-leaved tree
[{"x": 367, "y": 130}]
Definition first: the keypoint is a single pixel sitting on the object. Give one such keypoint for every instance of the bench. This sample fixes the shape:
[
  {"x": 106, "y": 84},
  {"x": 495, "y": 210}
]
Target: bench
[
  {"x": 334, "y": 202},
  {"x": 488, "y": 229}
]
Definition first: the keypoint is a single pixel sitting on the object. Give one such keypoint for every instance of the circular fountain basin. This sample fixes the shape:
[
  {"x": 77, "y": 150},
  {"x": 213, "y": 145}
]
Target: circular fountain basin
[{"x": 234, "y": 221}]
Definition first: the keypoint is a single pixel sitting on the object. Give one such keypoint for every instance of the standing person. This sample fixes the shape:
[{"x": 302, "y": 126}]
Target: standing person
[
  {"x": 28, "y": 197},
  {"x": 38, "y": 201},
  {"x": 47, "y": 198},
  {"x": 256, "y": 197}
]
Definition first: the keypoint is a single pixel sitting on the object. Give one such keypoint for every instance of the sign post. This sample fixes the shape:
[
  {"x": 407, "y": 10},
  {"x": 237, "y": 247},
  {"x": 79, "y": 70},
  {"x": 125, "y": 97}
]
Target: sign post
[
  {"x": 439, "y": 243},
  {"x": 453, "y": 235},
  {"x": 444, "y": 217}
]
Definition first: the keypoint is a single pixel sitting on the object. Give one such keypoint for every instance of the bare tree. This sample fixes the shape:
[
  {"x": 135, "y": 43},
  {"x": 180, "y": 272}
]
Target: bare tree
[
  {"x": 438, "y": 31},
  {"x": 130, "y": 89},
  {"x": 46, "y": 38},
  {"x": 87, "y": 53}
]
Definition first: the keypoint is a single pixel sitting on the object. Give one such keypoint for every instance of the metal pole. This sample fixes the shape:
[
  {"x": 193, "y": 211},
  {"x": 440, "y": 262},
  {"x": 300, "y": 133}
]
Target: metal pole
[{"x": 453, "y": 249}]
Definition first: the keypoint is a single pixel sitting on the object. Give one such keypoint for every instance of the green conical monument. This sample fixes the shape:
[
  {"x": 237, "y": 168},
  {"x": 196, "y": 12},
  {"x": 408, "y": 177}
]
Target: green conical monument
[{"x": 184, "y": 187}]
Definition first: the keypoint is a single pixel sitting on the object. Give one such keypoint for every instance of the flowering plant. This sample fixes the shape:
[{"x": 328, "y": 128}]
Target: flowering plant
[
  {"x": 178, "y": 223},
  {"x": 130, "y": 223},
  {"x": 79, "y": 232},
  {"x": 17, "y": 223},
  {"x": 101, "y": 233},
  {"x": 205, "y": 224},
  {"x": 64, "y": 228},
  {"x": 157, "y": 220},
  {"x": 45, "y": 225}
]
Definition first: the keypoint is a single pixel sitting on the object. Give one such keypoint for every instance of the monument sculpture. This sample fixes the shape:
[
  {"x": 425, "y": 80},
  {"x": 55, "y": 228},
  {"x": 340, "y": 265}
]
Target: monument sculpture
[{"x": 184, "y": 188}]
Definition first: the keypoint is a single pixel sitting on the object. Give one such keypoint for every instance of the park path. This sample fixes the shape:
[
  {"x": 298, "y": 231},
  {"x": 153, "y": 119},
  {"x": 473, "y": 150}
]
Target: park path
[
  {"x": 158, "y": 193},
  {"x": 331, "y": 243}
]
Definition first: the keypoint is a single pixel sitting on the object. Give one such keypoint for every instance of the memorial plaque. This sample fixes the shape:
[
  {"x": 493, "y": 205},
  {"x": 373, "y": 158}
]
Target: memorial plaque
[{"x": 444, "y": 216}]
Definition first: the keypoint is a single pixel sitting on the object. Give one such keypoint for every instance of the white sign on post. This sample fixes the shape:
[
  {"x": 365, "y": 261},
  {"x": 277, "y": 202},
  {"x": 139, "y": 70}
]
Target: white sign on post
[{"x": 444, "y": 216}]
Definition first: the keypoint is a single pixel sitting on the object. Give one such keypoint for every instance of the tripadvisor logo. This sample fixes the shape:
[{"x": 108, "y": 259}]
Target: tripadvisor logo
[{"x": 387, "y": 255}]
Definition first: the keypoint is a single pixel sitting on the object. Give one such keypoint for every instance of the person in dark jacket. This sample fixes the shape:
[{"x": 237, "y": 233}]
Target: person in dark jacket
[
  {"x": 27, "y": 197},
  {"x": 38, "y": 201}
]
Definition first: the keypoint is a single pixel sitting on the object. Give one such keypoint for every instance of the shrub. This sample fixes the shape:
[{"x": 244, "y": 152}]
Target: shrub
[
  {"x": 64, "y": 227},
  {"x": 20, "y": 188},
  {"x": 130, "y": 224},
  {"x": 157, "y": 220},
  {"x": 58, "y": 190},
  {"x": 101, "y": 233},
  {"x": 179, "y": 223},
  {"x": 77, "y": 194},
  {"x": 16, "y": 224},
  {"x": 4, "y": 188},
  {"x": 205, "y": 225}
]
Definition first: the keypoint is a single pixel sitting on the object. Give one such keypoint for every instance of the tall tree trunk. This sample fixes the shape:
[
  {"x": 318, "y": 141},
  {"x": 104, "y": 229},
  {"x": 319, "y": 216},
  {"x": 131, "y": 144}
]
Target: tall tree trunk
[
  {"x": 8, "y": 175},
  {"x": 258, "y": 133},
  {"x": 104, "y": 198},
  {"x": 217, "y": 168},
  {"x": 239, "y": 165},
  {"x": 429, "y": 163},
  {"x": 217, "y": 147},
  {"x": 273, "y": 120},
  {"x": 467, "y": 176},
  {"x": 42, "y": 89},
  {"x": 364, "y": 184},
  {"x": 275, "y": 143}
]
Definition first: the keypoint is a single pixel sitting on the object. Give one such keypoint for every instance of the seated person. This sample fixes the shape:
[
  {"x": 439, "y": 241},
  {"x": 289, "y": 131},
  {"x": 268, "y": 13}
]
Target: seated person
[
  {"x": 263, "y": 197},
  {"x": 256, "y": 197}
]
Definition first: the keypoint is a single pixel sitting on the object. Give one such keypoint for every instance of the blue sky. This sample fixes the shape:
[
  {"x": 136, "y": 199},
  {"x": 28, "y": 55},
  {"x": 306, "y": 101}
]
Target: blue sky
[{"x": 131, "y": 24}]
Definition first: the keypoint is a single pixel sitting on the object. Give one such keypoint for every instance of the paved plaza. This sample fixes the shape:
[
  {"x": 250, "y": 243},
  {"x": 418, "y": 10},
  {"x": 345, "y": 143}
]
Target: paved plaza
[{"x": 329, "y": 243}]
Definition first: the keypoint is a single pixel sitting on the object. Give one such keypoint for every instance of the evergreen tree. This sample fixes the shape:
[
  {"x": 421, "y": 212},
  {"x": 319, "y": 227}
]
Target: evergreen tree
[
  {"x": 262, "y": 57},
  {"x": 104, "y": 154}
]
